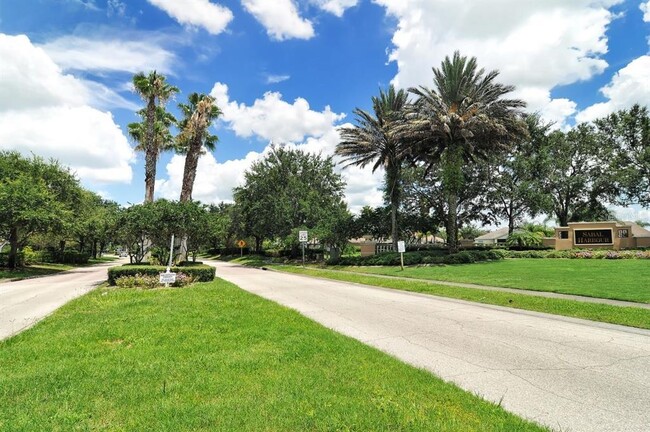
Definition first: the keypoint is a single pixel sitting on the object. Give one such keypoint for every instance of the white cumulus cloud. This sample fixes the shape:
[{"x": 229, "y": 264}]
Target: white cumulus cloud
[
  {"x": 537, "y": 45},
  {"x": 280, "y": 18},
  {"x": 645, "y": 8},
  {"x": 197, "y": 13},
  {"x": 49, "y": 113},
  {"x": 335, "y": 7},
  {"x": 272, "y": 118},
  {"x": 629, "y": 85},
  {"x": 109, "y": 54}
]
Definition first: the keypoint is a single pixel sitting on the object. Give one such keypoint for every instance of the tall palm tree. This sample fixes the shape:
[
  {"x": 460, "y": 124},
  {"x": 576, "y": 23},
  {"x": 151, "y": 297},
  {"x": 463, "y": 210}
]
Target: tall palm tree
[
  {"x": 463, "y": 119},
  {"x": 155, "y": 91},
  {"x": 162, "y": 139},
  {"x": 194, "y": 135},
  {"x": 373, "y": 141}
]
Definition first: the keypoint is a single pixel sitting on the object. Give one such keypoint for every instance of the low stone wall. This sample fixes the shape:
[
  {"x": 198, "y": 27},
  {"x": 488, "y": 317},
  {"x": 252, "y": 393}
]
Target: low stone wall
[{"x": 642, "y": 241}]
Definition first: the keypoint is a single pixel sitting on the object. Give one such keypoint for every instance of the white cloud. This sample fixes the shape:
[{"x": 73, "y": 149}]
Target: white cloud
[
  {"x": 631, "y": 213},
  {"x": 115, "y": 8},
  {"x": 280, "y": 18},
  {"x": 49, "y": 113},
  {"x": 537, "y": 45},
  {"x": 335, "y": 7},
  {"x": 274, "y": 79},
  {"x": 109, "y": 54},
  {"x": 199, "y": 13},
  {"x": 271, "y": 118},
  {"x": 630, "y": 85},
  {"x": 645, "y": 8}
]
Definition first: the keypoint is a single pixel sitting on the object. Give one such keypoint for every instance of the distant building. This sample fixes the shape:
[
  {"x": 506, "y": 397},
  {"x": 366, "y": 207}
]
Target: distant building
[{"x": 492, "y": 238}]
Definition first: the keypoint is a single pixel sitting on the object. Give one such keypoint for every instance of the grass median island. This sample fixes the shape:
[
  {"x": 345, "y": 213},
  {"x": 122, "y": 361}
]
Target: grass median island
[
  {"x": 213, "y": 357},
  {"x": 627, "y": 316},
  {"x": 613, "y": 279}
]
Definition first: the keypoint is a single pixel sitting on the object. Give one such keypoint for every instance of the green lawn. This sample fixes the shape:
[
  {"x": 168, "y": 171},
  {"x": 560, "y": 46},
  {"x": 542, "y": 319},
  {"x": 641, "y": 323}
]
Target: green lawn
[
  {"x": 46, "y": 269},
  {"x": 33, "y": 271},
  {"x": 613, "y": 279},
  {"x": 215, "y": 358},
  {"x": 627, "y": 316}
]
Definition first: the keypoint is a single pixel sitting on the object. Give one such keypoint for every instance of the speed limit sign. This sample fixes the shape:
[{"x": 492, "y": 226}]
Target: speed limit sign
[{"x": 302, "y": 236}]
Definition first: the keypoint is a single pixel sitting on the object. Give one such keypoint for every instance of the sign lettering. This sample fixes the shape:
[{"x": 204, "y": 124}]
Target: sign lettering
[{"x": 593, "y": 237}]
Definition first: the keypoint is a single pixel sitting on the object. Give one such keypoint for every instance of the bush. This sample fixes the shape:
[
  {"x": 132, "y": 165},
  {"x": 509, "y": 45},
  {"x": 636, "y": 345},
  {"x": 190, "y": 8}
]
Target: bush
[
  {"x": 198, "y": 273},
  {"x": 425, "y": 257},
  {"x": 30, "y": 257},
  {"x": 137, "y": 281},
  {"x": 149, "y": 281}
]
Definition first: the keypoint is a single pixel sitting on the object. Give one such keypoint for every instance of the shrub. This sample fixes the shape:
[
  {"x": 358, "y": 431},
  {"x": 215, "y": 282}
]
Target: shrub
[
  {"x": 583, "y": 255},
  {"x": 424, "y": 257},
  {"x": 137, "y": 281},
  {"x": 198, "y": 273},
  {"x": 149, "y": 281},
  {"x": 29, "y": 256}
]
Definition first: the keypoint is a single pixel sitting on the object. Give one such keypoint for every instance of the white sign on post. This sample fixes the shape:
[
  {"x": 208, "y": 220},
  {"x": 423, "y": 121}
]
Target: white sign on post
[
  {"x": 167, "y": 278},
  {"x": 302, "y": 236},
  {"x": 401, "y": 247}
]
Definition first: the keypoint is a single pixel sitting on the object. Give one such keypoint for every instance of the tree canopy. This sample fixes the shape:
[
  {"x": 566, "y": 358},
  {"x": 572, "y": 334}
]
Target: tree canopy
[{"x": 288, "y": 190}]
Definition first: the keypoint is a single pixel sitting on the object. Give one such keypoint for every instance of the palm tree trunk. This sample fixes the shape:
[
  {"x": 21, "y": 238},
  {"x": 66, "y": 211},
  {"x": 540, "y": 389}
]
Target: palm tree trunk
[
  {"x": 189, "y": 175},
  {"x": 150, "y": 159},
  {"x": 189, "y": 172},
  {"x": 150, "y": 151},
  {"x": 392, "y": 182},
  {"x": 453, "y": 180},
  {"x": 452, "y": 222}
]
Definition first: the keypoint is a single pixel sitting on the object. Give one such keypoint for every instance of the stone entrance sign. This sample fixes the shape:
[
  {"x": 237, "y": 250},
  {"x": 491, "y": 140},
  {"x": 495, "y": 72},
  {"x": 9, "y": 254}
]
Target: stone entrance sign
[{"x": 590, "y": 237}]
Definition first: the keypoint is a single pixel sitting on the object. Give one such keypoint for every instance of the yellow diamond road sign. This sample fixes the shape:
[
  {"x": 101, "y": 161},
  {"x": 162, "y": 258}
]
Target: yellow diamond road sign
[{"x": 241, "y": 243}]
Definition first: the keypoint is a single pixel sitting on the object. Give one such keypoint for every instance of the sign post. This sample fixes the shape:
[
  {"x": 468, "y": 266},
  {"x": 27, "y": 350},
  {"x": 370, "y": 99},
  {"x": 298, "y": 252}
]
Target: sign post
[
  {"x": 242, "y": 245},
  {"x": 303, "y": 238},
  {"x": 401, "y": 248},
  {"x": 168, "y": 277}
]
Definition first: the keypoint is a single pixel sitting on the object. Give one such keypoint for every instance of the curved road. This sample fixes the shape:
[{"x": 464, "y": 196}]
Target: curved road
[
  {"x": 568, "y": 374},
  {"x": 24, "y": 303}
]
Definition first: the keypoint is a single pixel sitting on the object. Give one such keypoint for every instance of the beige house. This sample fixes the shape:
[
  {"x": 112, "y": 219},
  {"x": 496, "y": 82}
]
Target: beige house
[
  {"x": 599, "y": 235},
  {"x": 492, "y": 238}
]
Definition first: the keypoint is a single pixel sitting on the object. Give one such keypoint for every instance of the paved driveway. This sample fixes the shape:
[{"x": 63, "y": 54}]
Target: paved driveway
[
  {"x": 24, "y": 303},
  {"x": 569, "y": 374}
]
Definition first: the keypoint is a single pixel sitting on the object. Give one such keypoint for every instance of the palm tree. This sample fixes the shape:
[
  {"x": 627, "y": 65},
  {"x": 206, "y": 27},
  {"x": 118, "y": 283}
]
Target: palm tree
[
  {"x": 373, "y": 140},
  {"x": 155, "y": 91},
  {"x": 162, "y": 139},
  {"x": 465, "y": 118},
  {"x": 194, "y": 135}
]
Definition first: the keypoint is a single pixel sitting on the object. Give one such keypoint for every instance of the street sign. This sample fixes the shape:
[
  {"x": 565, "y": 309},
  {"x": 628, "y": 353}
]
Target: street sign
[
  {"x": 241, "y": 243},
  {"x": 302, "y": 236},
  {"x": 401, "y": 247},
  {"x": 167, "y": 278}
]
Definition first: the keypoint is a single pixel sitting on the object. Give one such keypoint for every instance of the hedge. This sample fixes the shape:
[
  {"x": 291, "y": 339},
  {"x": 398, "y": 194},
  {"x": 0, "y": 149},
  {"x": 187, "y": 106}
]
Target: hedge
[
  {"x": 424, "y": 257},
  {"x": 200, "y": 273}
]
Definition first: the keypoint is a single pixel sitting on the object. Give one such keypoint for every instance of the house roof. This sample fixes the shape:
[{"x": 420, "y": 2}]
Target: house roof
[
  {"x": 638, "y": 230},
  {"x": 494, "y": 235}
]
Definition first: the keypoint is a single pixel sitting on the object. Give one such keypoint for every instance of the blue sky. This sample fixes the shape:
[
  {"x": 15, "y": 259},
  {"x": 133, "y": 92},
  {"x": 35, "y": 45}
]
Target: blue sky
[{"x": 290, "y": 71}]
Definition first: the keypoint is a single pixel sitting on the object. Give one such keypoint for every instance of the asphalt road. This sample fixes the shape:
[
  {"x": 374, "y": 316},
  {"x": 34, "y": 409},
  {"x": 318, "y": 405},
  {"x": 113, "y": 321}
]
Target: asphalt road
[
  {"x": 24, "y": 303},
  {"x": 568, "y": 374}
]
